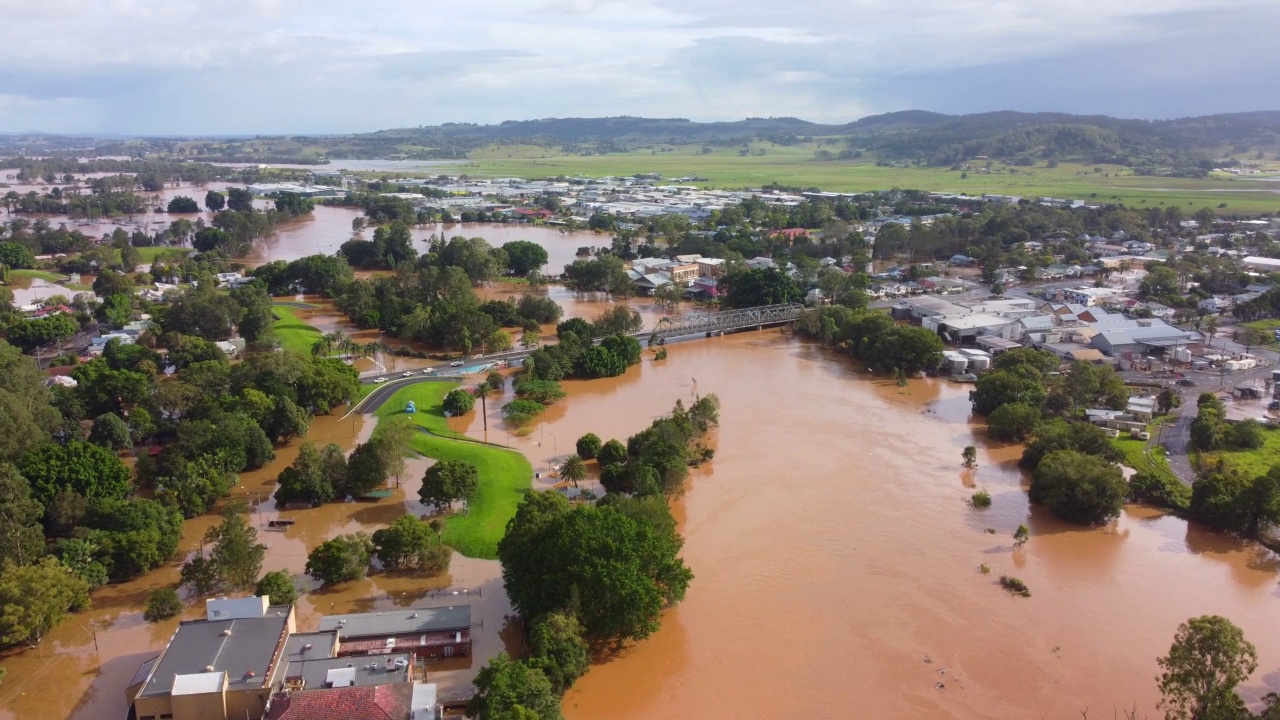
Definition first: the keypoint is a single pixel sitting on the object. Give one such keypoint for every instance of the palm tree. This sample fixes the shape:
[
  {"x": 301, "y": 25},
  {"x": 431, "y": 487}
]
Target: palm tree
[{"x": 573, "y": 469}]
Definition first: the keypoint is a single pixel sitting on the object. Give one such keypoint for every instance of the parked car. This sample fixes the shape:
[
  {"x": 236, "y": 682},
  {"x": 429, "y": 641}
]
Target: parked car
[
  {"x": 1274, "y": 405},
  {"x": 1187, "y": 382}
]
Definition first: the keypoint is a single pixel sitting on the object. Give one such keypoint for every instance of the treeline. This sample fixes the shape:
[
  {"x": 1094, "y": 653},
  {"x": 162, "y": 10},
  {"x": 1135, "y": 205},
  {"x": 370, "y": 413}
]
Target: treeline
[
  {"x": 78, "y": 515},
  {"x": 578, "y": 355},
  {"x": 873, "y": 338},
  {"x": 589, "y": 577},
  {"x": 63, "y": 169}
]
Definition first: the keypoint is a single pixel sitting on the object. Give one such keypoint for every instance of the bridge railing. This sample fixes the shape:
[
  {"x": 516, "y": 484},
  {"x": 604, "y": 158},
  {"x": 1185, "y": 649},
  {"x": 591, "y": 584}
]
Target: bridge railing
[{"x": 727, "y": 320}]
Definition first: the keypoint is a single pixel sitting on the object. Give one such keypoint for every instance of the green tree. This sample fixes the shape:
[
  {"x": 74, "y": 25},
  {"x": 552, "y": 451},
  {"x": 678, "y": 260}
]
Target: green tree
[
  {"x": 183, "y": 204},
  {"x": 81, "y": 556},
  {"x": 448, "y": 481},
  {"x": 969, "y": 456},
  {"x": 411, "y": 544},
  {"x": 1013, "y": 421},
  {"x": 458, "y": 402},
  {"x": 201, "y": 575},
  {"x": 111, "y": 432},
  {"x": 558, "y": 649},
  {"x": 524, "y": 257},
  {"x": 1208, "y": 659},
  {"x": 668, "y": 295},
  {"x": 36, "y": 597},
  {"x": 588, "y": 446},
  {"x": 366, "y": 470},
  {"x": 342, "y": 559},
  {"x": 999, "y": 387},
  {"x": 21, "y": 536},
  {"x": 494, "y": 382},
  {"x": 573, "y": 469},
  {"x": 27, "y": 412},
  {"x": 622, "y": 570},
  {"x": 236, "y": 550},
  {"x": 745, "y": 287},
  {"x": 509, "y": 689},
  {"x": 16, "y": 256},
  {"x": 612, "y": 453},
  {"x": 305, "y": 480},
  {"x": 1079, "y": 488},
  {"x": 214, "y": 200},
  {"x": 88, "y": 470},
  {"x": 161, "y": 604},
  {"x": 905, "y": 348},
  {"x": 277, "y": 585}
]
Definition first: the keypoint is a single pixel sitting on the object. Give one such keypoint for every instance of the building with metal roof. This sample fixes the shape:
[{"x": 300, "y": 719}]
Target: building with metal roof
[
  {"x": 427, "y": 632},
  {"x": 334, "y": 672},
  {"x": 219, "y": 667}
]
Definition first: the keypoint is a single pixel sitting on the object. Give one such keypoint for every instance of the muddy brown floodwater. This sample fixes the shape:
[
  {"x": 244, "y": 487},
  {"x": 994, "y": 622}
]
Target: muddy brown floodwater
[{"x": 836, "y": 560}]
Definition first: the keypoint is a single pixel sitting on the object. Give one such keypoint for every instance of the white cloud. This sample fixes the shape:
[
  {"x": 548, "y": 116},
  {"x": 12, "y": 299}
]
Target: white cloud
[{"x": 176, "y": 66}]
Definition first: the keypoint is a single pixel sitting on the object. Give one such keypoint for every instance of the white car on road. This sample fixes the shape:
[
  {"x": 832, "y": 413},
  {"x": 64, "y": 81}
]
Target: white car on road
[
  {"x": 407, "y": 373},
  {"x": 456, "y": 363},
  {"x": 380, "y": 380}
]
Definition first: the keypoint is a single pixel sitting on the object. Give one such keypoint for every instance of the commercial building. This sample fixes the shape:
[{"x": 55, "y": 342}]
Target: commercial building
[
  {"x": 247, "y": 661},
  {"x": 218, "y": 668},
  {"x": 425, "y": 632}
]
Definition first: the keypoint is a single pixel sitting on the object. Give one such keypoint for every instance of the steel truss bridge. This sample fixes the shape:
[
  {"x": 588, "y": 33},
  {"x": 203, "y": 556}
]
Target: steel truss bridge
[{"x": 709, "y": 324}]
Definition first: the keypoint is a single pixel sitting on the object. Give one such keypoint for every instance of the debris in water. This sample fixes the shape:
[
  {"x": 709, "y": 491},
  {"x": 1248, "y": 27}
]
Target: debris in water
[{"x": 940, "y": 686}]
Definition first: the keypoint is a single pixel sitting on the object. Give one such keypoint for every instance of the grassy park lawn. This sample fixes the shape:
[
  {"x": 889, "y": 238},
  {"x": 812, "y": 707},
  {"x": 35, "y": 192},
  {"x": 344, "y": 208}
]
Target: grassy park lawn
[
  {"x": 293, "y": 333},
  {"x": 149, "y": 254},
  {"x": 1251, "y": 463},
  {"x": 46, "y": 275},
  {"x": 505, "y": 475},
  {"x": 1135, "y": 458}
]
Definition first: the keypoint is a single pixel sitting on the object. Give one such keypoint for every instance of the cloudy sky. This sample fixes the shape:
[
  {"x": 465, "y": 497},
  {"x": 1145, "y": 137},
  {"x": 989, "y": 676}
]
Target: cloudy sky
[{"x": 319, "y": 66}]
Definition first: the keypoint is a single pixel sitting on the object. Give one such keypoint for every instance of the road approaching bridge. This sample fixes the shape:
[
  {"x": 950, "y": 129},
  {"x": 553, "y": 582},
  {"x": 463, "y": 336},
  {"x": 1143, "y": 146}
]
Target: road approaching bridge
[{"x": 689, "y": 326}]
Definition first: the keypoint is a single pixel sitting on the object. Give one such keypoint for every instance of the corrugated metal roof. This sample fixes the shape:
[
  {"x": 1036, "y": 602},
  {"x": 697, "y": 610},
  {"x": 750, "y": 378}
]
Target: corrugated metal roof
[
  {"x": 398, "y": 622},
  {"x": 237, "y": 647}
]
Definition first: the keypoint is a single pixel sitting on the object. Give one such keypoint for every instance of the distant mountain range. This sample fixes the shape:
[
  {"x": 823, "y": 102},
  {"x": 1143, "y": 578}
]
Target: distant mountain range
[{"x": 1185, "y": 146}]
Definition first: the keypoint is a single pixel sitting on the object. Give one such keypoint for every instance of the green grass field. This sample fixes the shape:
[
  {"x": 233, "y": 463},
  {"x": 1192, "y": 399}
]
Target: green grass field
[
  {"x": 505, "y": 475},
  {"x": 293, "y": 333},
  {"x": 1136, "y": 458},
  {"x": 52, "y": 277},
  {"x": 794, "y": 165},
  {"x": 1251, "y": 463},
  {"x": 149, "y": 254},
  {"x": 1268, "y": 327}
]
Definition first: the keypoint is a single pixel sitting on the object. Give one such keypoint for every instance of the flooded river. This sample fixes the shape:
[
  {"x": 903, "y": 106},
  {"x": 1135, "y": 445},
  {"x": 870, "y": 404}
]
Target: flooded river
[{"x": 836, "y": 559}]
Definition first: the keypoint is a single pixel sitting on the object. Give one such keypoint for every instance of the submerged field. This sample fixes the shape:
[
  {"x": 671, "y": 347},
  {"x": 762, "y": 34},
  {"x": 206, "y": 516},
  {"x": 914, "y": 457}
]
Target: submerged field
[{"x": 795, "y": 165}]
